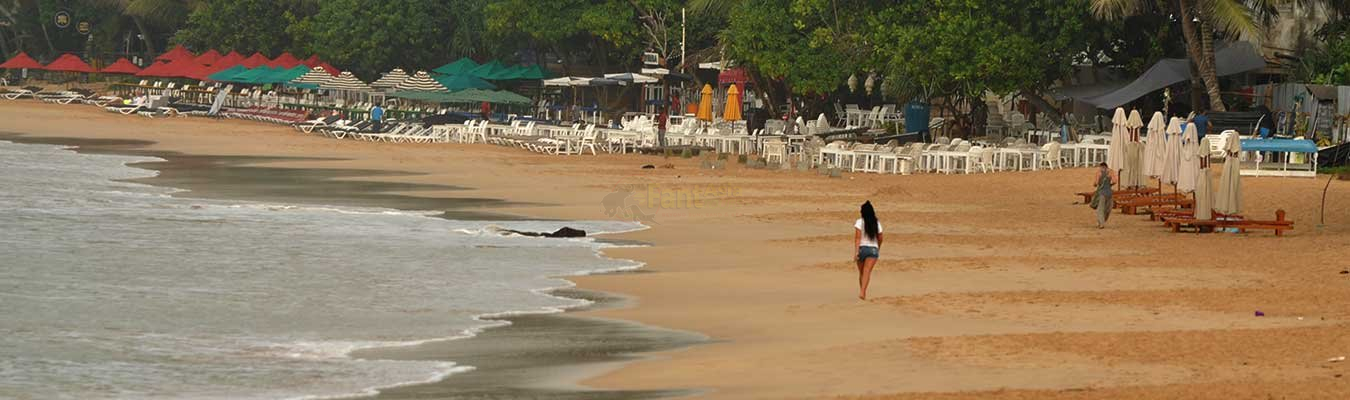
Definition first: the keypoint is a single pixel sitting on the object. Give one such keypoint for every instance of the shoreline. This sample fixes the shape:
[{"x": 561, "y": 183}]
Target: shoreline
[
  {"x": 993, "y": 285},
  {"x": 195, "y": 176}
]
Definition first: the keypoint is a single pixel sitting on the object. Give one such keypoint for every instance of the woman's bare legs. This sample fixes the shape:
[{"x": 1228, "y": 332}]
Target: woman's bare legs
[
  {"x": 865, "y": 276},
  {"x": 860, "y": 278}
]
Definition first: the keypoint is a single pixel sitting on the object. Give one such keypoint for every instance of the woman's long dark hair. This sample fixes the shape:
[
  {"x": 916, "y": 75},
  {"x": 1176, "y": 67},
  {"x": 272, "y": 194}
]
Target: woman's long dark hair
[{"x": 869, "y": 217}]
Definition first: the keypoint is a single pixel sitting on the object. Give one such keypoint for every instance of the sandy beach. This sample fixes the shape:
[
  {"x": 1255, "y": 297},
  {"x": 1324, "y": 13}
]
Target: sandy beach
[{"x": 989, "y": 286}]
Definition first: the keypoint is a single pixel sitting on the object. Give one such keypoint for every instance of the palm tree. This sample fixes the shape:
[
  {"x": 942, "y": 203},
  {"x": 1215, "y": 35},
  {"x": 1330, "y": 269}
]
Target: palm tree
[
  {"x": 147, "y": 13},
  {"x": 1200, "y": 21}
]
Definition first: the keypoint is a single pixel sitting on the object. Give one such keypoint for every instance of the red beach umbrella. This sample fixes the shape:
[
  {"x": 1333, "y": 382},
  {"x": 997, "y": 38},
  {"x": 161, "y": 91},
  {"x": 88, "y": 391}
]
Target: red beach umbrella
[
  {"x": 329, "y": 68},
  {"x": 69, "y": 63},
  {"x": 21, "y": 61},
  {"x": 158, "y": 69},
  {"x": 121, "y": 66},
  {"x": 176, "y": 69},
  {"x": 227, "y": 61},
  {"x": 208, "y": 58},
  {"x": 312, "y": 61},
  {"x": 178, "y": 52},
  {"x": 254, "y": 61},
  {"x": 190, "y": 69},
  {"x": 285, "y": 60}
]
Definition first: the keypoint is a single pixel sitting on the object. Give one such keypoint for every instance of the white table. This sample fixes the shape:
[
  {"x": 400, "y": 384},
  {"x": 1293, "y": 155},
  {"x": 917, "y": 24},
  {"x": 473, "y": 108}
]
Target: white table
[{"x": 1086, "y": 154}]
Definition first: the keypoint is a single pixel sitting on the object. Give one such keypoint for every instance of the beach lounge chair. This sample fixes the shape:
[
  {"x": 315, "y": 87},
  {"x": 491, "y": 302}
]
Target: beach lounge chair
[
  {"x": 1131, "y": 206},
  {"x": 15, "y": 94},
  {"x": 1087, "y": 196},
  {"x": 1242, "y": 225},
  {"x": 310, "y": 125}
]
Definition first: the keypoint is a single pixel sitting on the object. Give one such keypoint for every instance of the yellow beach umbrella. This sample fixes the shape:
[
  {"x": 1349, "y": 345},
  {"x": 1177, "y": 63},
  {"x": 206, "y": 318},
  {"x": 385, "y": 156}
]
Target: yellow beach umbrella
[
  {"x": 732, "y": 110},
  {"x": 705, "y": 104}
]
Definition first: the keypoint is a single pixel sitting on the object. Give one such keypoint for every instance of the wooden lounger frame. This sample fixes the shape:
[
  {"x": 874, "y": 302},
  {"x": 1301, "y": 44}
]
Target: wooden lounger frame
[
  {"x": 1131, "y": 206},
  {"x": 1087, "y": 196},
  {"x": 1279, "y": 225}
]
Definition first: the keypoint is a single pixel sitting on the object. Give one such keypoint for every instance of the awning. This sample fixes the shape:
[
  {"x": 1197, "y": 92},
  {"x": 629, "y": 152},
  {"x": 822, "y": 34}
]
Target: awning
[
  {"x": 1234, "y": 58},
  {"x": 630, "y": 77}
]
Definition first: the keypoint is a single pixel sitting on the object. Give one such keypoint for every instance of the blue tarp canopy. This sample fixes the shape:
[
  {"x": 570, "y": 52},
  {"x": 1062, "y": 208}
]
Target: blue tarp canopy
[{"x": 1280, "y": 145}]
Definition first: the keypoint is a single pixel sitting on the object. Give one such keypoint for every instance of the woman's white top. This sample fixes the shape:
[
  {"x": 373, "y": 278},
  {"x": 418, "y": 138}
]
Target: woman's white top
[{"x": 866, "y": 241}]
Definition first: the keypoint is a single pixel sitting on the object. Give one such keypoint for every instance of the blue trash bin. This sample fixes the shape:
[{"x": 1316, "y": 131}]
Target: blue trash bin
[{"x": 916, "y": 117}]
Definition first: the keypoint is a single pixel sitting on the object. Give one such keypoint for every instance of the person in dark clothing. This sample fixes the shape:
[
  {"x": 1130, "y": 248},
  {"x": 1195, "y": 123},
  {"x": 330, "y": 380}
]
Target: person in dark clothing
[
  {"x": 1201, "y": 122},
  {"x": 1266, "y": 127}
]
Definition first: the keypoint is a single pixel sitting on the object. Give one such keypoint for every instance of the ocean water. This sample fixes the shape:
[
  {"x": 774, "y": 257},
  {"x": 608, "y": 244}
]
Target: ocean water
[{"x": 117, "y": 290}]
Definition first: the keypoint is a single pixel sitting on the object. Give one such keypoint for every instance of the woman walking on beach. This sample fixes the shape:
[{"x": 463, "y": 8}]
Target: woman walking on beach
[
  {"x": 1101, "y": 198},
  {"x": 866, "y": 246}
]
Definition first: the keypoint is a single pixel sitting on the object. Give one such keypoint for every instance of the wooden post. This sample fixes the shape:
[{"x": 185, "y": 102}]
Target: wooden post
[{"x": 1279, "y": 219}]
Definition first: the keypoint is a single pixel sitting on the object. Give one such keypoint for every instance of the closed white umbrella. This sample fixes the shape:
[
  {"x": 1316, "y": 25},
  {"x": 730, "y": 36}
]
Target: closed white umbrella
[
  {"x": 822, "y": 124},
  {"x": 1115, "y": 153},
  {"x": 1204, "y": 194},
  {"x": 1157, "y": 136},
  {"x": 1172, "y": 152},
  {"x": 1132, "y": 171},
  {"x": 1229, "y": 198},
  {"x": 1189, "y": 165}
]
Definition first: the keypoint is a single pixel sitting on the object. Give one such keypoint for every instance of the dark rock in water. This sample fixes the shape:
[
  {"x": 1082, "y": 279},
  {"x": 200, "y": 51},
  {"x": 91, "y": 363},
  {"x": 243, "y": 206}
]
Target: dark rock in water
[
  {"x": 564, "y": 232},
  {"x": 648, "y": 166}
]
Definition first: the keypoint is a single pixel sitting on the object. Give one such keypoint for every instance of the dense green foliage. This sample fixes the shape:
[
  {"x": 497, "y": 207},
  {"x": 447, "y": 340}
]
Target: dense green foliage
[
  {"x": 967, "y": 47},
  {"x": 1330, "y": 65},
  {"x": 792, "y": 49},
  {"x": 234, "y": 25}
]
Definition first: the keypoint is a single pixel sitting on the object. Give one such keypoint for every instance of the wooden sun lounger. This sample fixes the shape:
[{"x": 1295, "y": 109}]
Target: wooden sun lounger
[
  {"x": 1087, "y": 196},
  {"x": 1131, "y": 206},
  {"x": 1279, "y": 225}
]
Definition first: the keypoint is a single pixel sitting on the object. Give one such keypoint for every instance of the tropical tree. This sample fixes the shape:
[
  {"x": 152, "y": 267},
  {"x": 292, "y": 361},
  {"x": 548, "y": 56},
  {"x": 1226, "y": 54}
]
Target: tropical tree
[
  {"x": 373, "y": 36},
  {"x": 958, "y": 50},
  {"x": 235, "y": 25},
  {"x": 1201, "y": 21},
  {"x": 154, "y": 16}
]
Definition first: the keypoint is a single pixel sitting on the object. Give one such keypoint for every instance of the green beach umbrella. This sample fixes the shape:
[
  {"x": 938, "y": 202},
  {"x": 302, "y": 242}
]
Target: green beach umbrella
[
  {"x": 287, "y": 75},
  {"x": 460, "y": 82},
  {"x": 534, "y": 72},
  {"x": 487, "y": 71},
  {"x": 511, "y": 73},
  {"x": 228, "y": 74},
  {"x": 254, "y": 76},
  {"x": 459, "y": 67}
]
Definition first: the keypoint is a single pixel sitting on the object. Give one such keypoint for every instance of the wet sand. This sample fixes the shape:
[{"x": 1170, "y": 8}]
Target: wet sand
[{"x": 989, "y": 285}]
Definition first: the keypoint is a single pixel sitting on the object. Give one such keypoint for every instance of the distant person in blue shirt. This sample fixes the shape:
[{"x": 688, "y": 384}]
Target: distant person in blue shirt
[
  {"x": 1201, "y": 124},
  {"x": 377, "y": 118}
]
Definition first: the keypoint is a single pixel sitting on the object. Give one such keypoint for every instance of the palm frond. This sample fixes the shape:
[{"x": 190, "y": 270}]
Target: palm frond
[
  {"x": 1231, "y": 16},
  {"x": 160, "y": 11},
  {"x": 1117, "y": 9}
]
